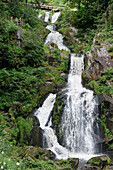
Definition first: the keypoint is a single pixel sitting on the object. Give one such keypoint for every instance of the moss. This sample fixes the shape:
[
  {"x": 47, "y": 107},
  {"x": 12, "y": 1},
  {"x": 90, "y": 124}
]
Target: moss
[
  {"x": 103, "y": 124},
  {"x": 108, "y": 167},
  {"x": 100, "y": 161},
  {"x": 57, "y": 114}
]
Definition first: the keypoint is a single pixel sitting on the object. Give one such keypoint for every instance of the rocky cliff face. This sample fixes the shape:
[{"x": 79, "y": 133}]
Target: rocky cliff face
[
  {"x": 98, "y": 58},
  {"x": 97, "y": 61}
]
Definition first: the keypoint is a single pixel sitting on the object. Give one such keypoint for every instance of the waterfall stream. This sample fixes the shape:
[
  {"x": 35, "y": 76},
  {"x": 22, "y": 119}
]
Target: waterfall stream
[
  {"x": 54, "y": 36},
  {"x": 79, "y": 122},
  {"x": 80, "y": 113}
]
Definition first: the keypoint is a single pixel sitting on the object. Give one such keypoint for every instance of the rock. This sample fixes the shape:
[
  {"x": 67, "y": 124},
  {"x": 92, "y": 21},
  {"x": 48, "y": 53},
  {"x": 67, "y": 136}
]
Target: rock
[
  {"x": 48, "y": 83},
  {"x": 109, "y": 124},
  {"x": 90, "y": 167},
  {"x": 63, "y": 75},
  {"x": 36, "y": 136},
  {"x": 96, "y": 61},
  {"x": 100, "y": 161},
  {"x": 52, "y": 155},
  {"x": 74, "y": 162},
  {"x": 33, "y": 152},
  {"x": 57, "y": 113},
  {"x": 108, "y": 167},
  {"x": 35, "y": 121},
  {"x": 108, "y": 98},
  {"x": 75, "y": 30}
]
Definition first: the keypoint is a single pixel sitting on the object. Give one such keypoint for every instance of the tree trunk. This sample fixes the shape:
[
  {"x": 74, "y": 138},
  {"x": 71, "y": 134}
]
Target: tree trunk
[{"x": 79, "y": 5}]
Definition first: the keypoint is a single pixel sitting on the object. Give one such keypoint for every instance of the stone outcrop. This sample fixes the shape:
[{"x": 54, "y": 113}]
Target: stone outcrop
[
  {"x": 97, "y": 60},
  {"x": 97, "y": 163},
  {"x": 57, "y": 113},
  {"x": 36, "y": 138}
]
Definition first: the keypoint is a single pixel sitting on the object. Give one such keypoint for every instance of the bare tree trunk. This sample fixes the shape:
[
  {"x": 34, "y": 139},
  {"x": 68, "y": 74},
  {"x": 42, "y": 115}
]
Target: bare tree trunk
[{"x": 79, "y": 2}]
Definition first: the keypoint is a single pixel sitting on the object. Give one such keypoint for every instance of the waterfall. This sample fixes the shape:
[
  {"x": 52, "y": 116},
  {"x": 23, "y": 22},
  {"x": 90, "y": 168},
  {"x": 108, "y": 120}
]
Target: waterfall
[
  {"x": 46, "y": 19},
  {"x": 80, "y": 113},
  {"x": 55, "y": 17},
  {"x": 54, "y": 36},
  {"x": 79, "y": 121},
  {"x": 43, "y": 113}
]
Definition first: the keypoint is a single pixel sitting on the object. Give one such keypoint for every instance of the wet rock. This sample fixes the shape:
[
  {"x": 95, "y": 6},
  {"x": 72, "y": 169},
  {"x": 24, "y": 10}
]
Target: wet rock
[
  {"x": 98, "y": 162},
  {"x": 63, "y": 75},
  {"x": 57, "y": 113},
  {"x": 52, "y": 155},
  {"x": 74, "y": 163},
  {"x": 90, "y": 167},
  {"x": 35, "y": 121},
  {"x": 36, "y": 136}
]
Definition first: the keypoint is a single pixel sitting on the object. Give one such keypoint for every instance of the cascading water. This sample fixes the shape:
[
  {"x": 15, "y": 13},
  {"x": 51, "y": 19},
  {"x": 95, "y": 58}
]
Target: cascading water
[
  {"x": 80, "y": 113},
  {"x": 54, "y": 36},
  {"x": 55, "y": 17},
  {"x": 79, "y": 122},
  {"x": 43, "y": 113}
]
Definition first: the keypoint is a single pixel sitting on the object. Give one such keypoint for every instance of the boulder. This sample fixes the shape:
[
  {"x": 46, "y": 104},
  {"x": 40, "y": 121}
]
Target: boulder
[
  {"x": 35, "y": 121},
  {"x": 97, "y": 162},
  {"x": 90, "y": 167},
  {"x": 74, "y": 162},
  {"x": 52, "y": 155},
  {"x": 33, "y": 153},
  {"x": 36, "y": 136}
]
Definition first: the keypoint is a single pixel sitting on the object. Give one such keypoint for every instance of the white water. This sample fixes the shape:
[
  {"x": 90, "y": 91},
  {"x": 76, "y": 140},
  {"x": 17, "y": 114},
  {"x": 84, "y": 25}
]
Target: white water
[
  {"x": 55, "y": 17},
  {"x": 79, "y": 121},
  {"x": 80, "y": 113},
  {"x": 43, "y": 112},
  {"x": 55, "y": 36},
  {"x": 46, "y": 19}
]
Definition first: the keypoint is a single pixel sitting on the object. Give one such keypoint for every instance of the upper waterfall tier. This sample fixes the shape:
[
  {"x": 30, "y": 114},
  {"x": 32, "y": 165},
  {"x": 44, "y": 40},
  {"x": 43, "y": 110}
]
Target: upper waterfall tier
[
  {"x": 55, "y": 17},
  {"x": 56, "y": 38},
  {"x": 76, "y": 68},
  {"x": 46, "y": 19}
]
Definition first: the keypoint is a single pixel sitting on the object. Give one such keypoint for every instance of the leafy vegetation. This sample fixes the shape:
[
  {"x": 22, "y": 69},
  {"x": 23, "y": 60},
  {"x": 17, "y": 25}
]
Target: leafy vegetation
[
  {"x": 104, "y": 85},
  {"x": 26, "y": 67},
  {"x": 29, "y": 70},
  {"x": 103, "y": 123}
]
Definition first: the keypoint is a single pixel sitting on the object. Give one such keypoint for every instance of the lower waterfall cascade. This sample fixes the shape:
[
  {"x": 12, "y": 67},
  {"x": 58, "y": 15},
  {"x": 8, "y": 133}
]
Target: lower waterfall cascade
[{"x": 79, "y": 121}]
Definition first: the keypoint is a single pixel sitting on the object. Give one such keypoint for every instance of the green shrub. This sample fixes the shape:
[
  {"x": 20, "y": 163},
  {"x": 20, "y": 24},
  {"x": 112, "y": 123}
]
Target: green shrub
[
  {"x": 103, "y": 123},
  {"x": 24, "y": 126},
  {"x": 110, "y": 49}
]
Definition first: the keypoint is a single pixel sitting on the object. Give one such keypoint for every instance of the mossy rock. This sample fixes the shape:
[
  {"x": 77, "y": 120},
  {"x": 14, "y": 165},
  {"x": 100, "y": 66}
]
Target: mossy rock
[
  {"x": 33, "y": 152},
  {"x": 108, "y": 167},
  {"x": 90, "y": 167},
  {"x": 100, "y": 161},
  {"x": 57, "y": 114},
  {"x": 72, "y": 164}
]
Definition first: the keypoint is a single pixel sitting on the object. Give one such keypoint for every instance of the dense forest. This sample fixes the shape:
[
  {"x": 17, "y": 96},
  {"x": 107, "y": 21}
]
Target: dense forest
[{"x": 30, "y": 70}]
